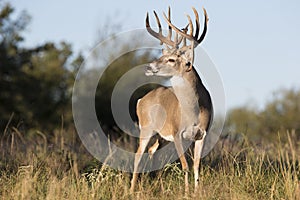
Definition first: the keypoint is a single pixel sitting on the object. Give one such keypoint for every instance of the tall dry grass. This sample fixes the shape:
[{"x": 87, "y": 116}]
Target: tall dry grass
[{"x": 37, "y": 167}]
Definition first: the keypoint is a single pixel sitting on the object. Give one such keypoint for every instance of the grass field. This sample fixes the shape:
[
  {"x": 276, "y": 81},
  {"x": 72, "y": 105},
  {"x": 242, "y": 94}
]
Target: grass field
[{"x": 36, "y": 167}]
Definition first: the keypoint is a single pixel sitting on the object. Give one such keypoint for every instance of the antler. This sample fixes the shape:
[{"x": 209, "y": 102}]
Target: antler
[
  {"x": 164, "y": 40},
  {"x": 183, "y": 33}
]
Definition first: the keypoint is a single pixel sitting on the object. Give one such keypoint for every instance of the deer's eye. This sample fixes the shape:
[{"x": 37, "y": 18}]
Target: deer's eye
[{"x": 171, "y": 60}]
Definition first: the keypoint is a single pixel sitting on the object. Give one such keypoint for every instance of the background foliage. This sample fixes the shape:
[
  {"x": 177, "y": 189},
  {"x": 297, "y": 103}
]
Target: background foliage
[{"x": 34, "y": 82}]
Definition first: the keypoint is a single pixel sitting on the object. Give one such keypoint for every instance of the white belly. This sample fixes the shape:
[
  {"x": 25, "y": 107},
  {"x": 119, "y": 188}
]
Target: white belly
[{"x": 168, "y": 138}]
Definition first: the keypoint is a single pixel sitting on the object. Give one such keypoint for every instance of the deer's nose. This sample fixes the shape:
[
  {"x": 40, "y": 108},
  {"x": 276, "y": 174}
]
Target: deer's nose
[
  {"x": 148, "y": 68},
  {"x": 152, "y": 67}
]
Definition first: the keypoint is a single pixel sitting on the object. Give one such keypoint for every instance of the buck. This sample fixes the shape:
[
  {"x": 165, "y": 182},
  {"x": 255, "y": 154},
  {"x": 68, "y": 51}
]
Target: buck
[{"x": 183, "y": 111}]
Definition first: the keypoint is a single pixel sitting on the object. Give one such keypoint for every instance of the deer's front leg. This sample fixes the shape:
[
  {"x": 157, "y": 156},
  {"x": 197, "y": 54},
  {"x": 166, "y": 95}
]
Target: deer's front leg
[
  {"x": 184, "y": 164},
  {"x": 144, "y": 139}
]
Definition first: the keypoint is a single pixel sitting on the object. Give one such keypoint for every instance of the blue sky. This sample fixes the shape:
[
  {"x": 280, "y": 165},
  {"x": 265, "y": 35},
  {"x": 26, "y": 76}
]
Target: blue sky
[{"x": 254, "y": 44}]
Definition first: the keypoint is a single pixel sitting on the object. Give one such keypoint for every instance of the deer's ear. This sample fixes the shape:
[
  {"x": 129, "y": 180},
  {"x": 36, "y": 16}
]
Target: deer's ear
[{"x": 189, "y": 55}]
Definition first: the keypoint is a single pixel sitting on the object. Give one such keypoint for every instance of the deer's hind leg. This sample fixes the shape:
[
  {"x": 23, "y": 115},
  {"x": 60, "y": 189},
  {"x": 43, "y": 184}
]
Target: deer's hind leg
[
  {"x": 184, "y": 164},
  {"x": 199, "y": 143}
]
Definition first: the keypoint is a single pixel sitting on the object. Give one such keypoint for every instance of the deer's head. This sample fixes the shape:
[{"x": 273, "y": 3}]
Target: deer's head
[{"x": 178, "y": 57}]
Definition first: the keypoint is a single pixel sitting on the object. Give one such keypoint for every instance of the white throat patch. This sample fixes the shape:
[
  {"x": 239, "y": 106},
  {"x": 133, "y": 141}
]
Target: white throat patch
[{"x": 177, "y": 81}]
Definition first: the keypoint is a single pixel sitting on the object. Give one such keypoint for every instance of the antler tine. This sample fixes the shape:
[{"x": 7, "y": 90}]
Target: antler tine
[
  {"x": 176, "y": 39},
  {"x": 205, "y": 27},
  {"x": 190, "y": 25},
  {"x": 170, "y": 29},
  {"x": 197, "y": 22},
  {"x": 159, "y": 25},
  {"x": 158, "y": 22},
  {"x": 155, "y": 34},
  {"x": 185, "y": 31}
]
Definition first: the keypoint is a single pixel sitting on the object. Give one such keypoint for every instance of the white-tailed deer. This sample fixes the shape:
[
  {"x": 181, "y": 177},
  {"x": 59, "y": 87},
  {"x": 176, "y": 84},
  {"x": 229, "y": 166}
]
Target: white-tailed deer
[{"x": 185, "y": 110}]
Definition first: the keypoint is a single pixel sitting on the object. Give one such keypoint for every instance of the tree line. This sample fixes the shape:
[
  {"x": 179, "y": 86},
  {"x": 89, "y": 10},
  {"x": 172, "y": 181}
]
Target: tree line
[{"x": 34, "y": 82}]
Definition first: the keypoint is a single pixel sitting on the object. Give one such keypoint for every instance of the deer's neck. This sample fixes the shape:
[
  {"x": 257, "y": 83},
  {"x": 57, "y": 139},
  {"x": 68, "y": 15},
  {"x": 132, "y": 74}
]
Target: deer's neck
[{"x": 186, "y": 89}]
